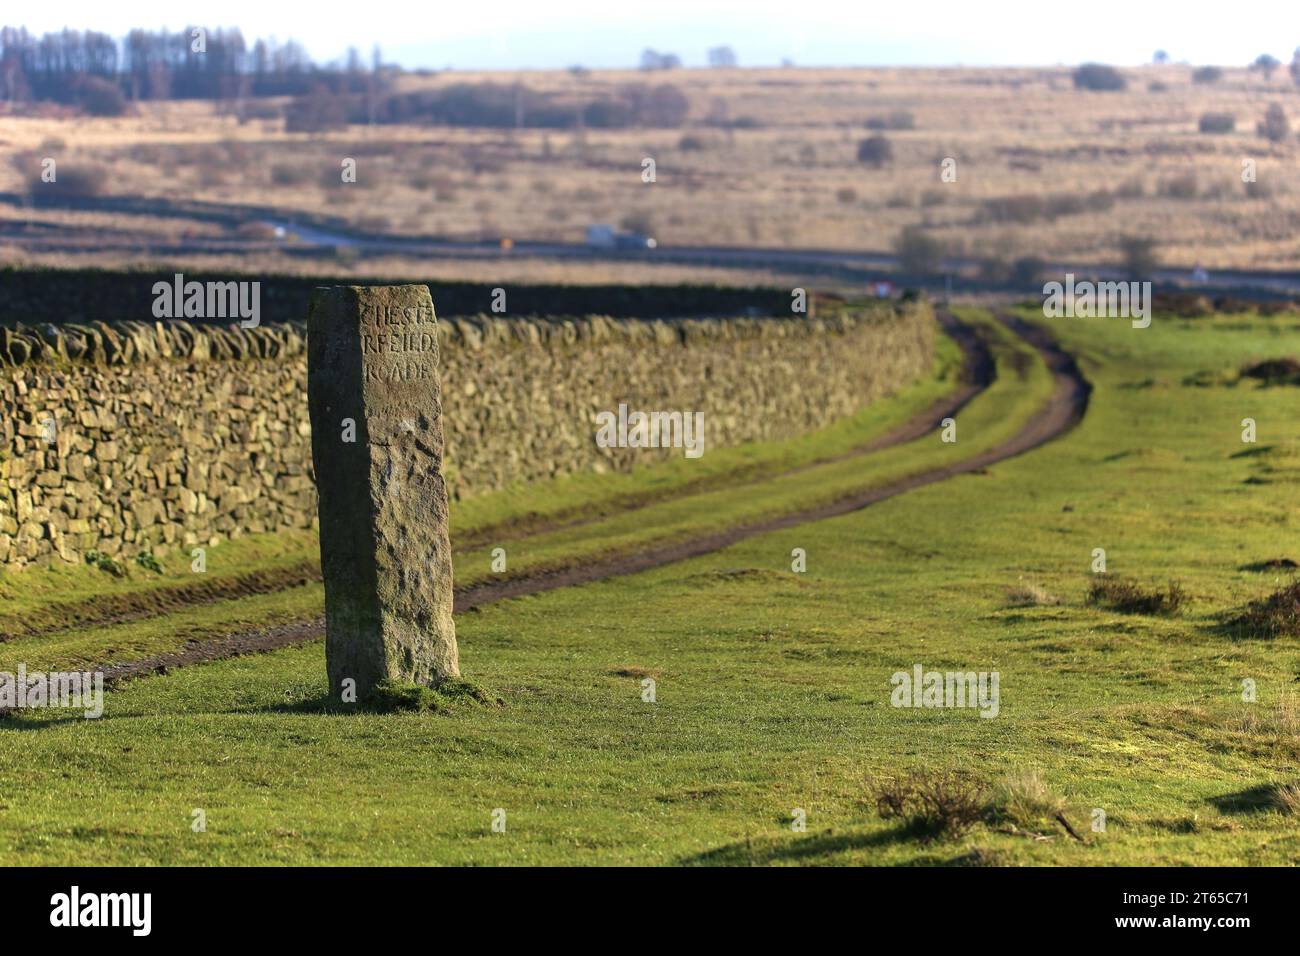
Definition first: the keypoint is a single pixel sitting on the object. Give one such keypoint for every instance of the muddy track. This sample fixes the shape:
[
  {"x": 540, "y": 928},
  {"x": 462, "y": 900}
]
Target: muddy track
[
  {"x": 1064, "y": 410},
  {"x": 108, "y": 609},
  {"x": 199, "y": 652}
]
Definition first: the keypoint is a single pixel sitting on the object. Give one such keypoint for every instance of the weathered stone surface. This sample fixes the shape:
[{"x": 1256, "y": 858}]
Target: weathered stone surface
[
  {"x": 372, "y": 357},
  {"x": 236, "y": 431}
]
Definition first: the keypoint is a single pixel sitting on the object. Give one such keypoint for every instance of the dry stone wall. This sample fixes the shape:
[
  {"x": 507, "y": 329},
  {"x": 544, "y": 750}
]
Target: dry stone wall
[{"x": 132, "y": 438}]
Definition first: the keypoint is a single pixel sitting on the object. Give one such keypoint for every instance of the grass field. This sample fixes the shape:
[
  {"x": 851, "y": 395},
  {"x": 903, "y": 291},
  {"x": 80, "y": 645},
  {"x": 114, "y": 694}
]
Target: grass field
[{"x": 772, "y": 689}]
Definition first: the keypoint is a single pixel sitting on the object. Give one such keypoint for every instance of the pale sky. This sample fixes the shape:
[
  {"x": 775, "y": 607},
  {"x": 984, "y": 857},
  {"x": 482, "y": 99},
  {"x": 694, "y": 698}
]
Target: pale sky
[{"x": 506, "y": 34}]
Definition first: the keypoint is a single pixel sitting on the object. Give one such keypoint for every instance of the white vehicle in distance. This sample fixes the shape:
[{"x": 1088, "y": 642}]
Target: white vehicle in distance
[{"x": 607, "y": 237}]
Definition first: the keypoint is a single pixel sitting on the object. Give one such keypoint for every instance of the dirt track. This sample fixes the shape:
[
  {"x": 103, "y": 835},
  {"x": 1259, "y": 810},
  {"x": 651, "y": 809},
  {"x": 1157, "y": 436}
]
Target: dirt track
[
  {"x": 1063, "y": 411},
  {"x": 138, "y": 605}
]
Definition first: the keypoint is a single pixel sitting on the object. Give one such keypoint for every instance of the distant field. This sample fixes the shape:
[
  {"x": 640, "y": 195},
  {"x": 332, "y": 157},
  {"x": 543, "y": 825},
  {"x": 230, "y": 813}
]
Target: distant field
[{"x": 766, "y": 158}]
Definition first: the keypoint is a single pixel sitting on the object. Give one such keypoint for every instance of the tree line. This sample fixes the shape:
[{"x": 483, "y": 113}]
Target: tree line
[
  {"x": 103, "y": 76},
  {"x": 92, "y": 69}
]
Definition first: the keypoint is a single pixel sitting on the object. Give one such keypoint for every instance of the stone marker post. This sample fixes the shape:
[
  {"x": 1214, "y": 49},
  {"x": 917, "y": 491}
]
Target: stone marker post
[{"x": 375, "y": 403}]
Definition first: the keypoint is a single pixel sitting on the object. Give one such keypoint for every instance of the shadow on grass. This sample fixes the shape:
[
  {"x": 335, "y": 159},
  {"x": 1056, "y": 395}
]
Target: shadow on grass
[
  {"x": 391, "y": 697},
  {"x": 1254, "y": 452},
  {"x": 1265, "y": 797},
  {"x": 1276, "y": 615},
  {"x": 797, "y": 848},
  {"x": 1272, "y": 564},
  {"x": 26, "y": 721},
  {"x": 388, "y": 698}
]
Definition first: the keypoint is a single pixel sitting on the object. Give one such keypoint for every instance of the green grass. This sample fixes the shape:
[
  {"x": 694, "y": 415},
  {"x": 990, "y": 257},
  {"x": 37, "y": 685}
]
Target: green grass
[{"x": 772, "y": 688}]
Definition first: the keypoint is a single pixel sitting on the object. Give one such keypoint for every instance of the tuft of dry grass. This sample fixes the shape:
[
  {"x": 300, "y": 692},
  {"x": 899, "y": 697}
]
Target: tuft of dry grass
[
  {"x": 1277, "y": 615},
  {"x": 1128, "y": 597},
  {"x": 1025, "y": 800},
  {"x": 1279, "y": 722},
  {"x": 1287, "y": 798},
  {"x": 932, "y": 804},
  {"x": 634, "y": 671},
  {"x": 944, "y": 804},
  {"x": 1030, "y": 595}
]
